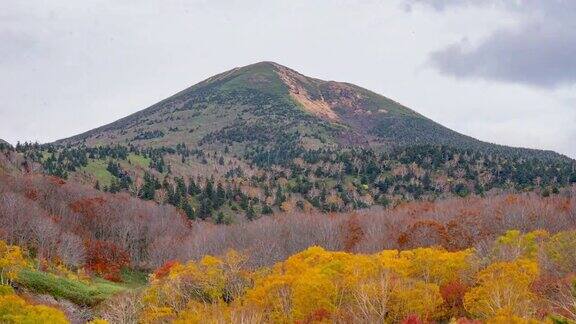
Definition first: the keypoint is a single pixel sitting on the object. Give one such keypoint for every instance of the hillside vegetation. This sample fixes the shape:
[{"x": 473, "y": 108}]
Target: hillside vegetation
[
  {"x": 224, "y": 189},
  {"x": 72, "y": 252},
  {"x": 71, "y": 221},
  {"x": 519, "y": 277}
]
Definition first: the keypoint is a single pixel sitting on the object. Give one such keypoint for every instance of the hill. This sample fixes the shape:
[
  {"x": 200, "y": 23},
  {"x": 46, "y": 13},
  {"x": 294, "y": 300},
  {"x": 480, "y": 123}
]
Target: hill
[{"x": 268, "y": 105}]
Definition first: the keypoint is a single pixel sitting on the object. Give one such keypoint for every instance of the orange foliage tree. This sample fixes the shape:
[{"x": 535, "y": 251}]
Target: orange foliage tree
[{"x": 106, "y": 259}]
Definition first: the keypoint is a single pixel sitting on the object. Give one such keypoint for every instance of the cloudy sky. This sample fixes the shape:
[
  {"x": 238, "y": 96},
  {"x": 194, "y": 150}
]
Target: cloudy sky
[{"x": 501, "y": 71}]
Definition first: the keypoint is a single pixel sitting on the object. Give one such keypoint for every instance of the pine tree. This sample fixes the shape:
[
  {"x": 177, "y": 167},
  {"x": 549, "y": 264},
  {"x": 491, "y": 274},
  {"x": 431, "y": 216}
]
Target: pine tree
[
  {"x": 148, "y": 189},
  {"x": 250, "y": 213},
  {"x": 280, "y": 197},
  {"x": 187, "y": 208},
  {"x": 266, "y": 210},
  {"x": 205, "y": 210},
  {"x": 220, "y": 195},
  {"x": 193, "y": 189},
  {"x": 219, "y": 218}
]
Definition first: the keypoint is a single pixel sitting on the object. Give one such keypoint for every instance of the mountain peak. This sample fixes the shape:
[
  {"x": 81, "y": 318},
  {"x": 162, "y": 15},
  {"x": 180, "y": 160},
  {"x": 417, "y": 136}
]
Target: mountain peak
[
  {"x": 268, "y": 64},
  {"x": 266, "y": 103}
]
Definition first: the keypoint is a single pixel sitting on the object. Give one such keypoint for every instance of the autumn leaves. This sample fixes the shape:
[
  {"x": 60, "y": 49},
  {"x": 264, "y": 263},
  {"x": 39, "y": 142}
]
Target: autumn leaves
[{"x": 315, "y": 285}]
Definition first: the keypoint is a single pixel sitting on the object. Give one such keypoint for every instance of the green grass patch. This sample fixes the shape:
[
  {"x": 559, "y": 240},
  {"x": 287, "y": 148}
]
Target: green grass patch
[
  {"x": 260, "y": 77},
  {"x": 133, "y": 278},
  {"x": 78, "y": 292},
  {"x": 97, "y": 168},
  {"x": 139, "y": 160}
]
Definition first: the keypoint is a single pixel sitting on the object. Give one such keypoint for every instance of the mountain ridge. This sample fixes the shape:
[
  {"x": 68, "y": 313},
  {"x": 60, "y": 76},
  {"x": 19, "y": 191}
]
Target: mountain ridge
[{"x": 228, "y": 106}]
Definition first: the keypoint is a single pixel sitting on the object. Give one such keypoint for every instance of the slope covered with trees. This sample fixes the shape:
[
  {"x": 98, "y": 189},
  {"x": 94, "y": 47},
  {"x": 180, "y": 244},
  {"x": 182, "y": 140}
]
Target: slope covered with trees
[
  {"x": 44, "y": 212},
  {"x": 75, "y": 251},
  {"x": 225, "y": 188}
]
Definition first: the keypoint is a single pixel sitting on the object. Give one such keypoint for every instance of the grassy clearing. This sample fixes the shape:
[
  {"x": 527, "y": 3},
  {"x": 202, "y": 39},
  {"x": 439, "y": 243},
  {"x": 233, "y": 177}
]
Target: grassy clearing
[
  {"x": 78, "y": 292},
  {"x": 133, "y": 278},
  {"x": 97, "y": 168},
  {"x": 139, "y": 160}
]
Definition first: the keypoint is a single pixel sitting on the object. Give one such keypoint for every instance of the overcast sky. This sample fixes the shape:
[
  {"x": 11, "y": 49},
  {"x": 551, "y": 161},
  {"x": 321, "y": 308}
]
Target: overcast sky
[{"x": 500, "y": 71}]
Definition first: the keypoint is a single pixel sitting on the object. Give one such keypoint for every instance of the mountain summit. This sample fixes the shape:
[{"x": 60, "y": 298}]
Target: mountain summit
[{"x": 270, "y": 104}]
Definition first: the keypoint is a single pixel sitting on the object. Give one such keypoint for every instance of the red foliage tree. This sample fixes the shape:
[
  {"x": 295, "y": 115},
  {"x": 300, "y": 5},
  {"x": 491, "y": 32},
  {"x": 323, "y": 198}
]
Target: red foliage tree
[
  {"x": 31, "y": 194},
  {"x": 106, "y": 259},
  {"x": 88, "y": 207},
  {"x": 164, "y": 270},
  {"x": 352, "y": 232},
  {"x": 318, "y": 316},
  {"x": 423, "y": 233},
  {"x": 453, "y": 295},
  {"x": 412, "y": 319}
]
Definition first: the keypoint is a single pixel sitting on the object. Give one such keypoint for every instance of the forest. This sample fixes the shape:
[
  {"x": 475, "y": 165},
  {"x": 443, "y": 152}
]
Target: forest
[
  {"x": 516, "y": 278},
  {"x": 74, "y": 253},
  {"x": 228, "y": 186}
]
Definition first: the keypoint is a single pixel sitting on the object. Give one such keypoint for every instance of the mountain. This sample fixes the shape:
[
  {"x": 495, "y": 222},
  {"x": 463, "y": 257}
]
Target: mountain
[
  {"x": 263, "y": 139},
  {"x": 267, "y": 104}
]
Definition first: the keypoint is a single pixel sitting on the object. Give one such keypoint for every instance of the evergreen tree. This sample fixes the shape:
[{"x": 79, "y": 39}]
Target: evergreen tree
[
  {"x": 205, "y": 210},
  {"x": 220, "y": 195},
  {"x": 280, "y": 197},
  {"x": 250, "y": 213},
  {"x": 193, "y": 189},
  {"x": 188, "y": 210},
  {"x": 148, "y": 189},
  {"x": 266, "y": 210}
]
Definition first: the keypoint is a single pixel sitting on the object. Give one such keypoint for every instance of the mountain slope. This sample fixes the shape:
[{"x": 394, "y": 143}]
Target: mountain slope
[{"x": 267, "y": 104}]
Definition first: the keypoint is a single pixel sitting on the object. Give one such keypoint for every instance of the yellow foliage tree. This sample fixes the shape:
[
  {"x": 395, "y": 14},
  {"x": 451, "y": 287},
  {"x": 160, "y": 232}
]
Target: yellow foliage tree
[
  {"x": 319, "y": 286},
  {"x": 561, "y": 250},
  {"x": 415, "y": 297},
  {"x": 337, "y": 284},
  {"x": 12, "y": 260},
  {"x": 513, "y": 244},
  {"x": 371, "y": 297},
  {"x": 505, "y": 317},
  {"x": 98, "y": 321},
  {"x": 299, "y": 286},
  {"x": 436, "y": 265},
  {"x": 211, "y": 280},
  {"x": 14, "y": 309},
  {"x": 503, "y": 287}
]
